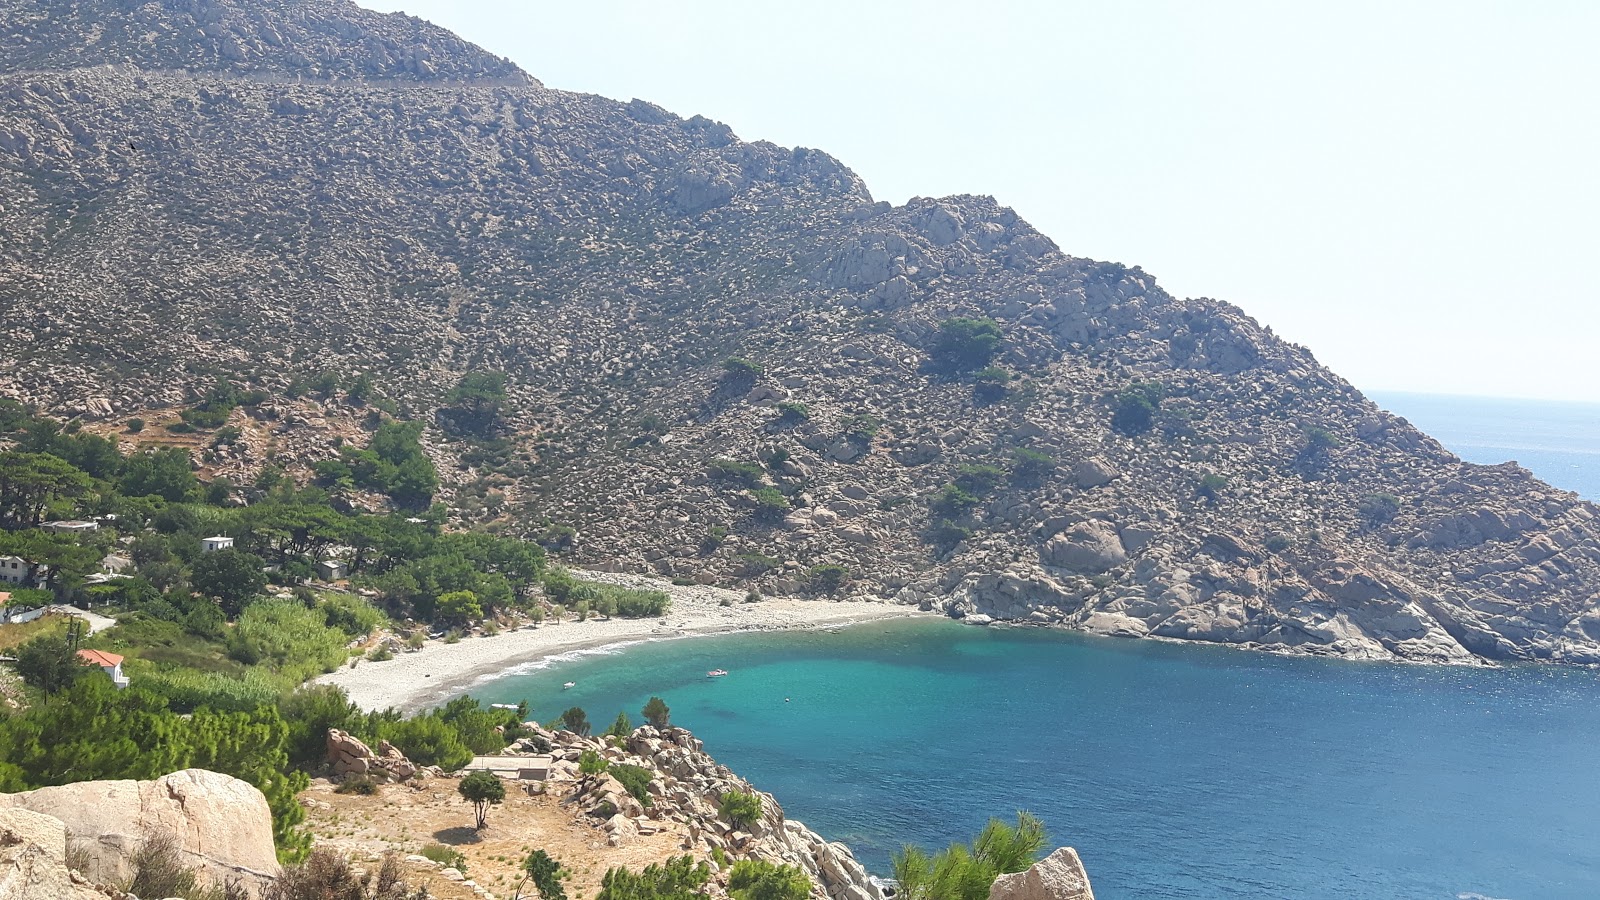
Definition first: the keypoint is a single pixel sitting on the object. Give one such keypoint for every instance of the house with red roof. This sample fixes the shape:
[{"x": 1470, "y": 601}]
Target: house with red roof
[{"x": 110, "y": 663}]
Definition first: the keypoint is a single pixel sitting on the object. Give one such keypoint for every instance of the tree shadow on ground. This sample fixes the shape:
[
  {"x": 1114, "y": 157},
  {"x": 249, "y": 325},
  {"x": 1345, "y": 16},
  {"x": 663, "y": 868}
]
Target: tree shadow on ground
[{"x": 461, "y": 834}]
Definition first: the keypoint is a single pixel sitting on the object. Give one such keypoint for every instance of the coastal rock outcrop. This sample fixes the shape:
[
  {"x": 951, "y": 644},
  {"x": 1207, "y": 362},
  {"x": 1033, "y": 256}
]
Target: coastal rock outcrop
[
  {"x": 686, "y": 788},
  {"x": 221, "y": 826},
  {"x": 1059, "y": 876}
]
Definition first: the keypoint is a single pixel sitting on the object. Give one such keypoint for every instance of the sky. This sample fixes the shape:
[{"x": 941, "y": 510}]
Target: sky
[{"x": 1410, "y": 189}]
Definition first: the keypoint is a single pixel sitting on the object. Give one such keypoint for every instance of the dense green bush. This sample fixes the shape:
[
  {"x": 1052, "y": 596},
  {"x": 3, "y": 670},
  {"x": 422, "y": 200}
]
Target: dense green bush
[
  {"x": 1029, "y": 466},
  {"x": 967, "y": 872},
  {"x": 740, "y": 809},
  {"x": 737, "y": 368},
  {"x": 989, "y": 384},
  {"x": 1378, "y": 509},
  {"x": 679, "y": 878},
  {"x": 98, "y": 732},
  {"x": 747, "y": 474},
  {"x": 636, "y": 779},
  {"x": 186, "y": 690},
  {"x": 758, "y": 879},
  {"x": 791, "y": 412},
  {"x": 828, "y": 578},
  {"x": 1211, "y": 486},
  {"x": 287, "y": 638},
  {"x": 771, "y": 505},
  {"x": 965, "y": 344},
  {"x": 1134, "y": 408}
]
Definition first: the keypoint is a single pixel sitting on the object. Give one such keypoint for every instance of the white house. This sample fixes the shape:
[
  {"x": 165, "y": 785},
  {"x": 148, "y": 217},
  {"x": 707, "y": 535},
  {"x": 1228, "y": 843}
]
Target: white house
[
  {"x": 331, "y": 570},
  {"x": 213, "y": 544},
  {"x": 110, "y": 663},
  {"x": 71, "y": 526},
  {"x": 16, "y": 570}
]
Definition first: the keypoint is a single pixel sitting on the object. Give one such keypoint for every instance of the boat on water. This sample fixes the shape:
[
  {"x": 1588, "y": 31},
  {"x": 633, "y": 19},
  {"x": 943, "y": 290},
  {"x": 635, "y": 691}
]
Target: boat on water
[
  {"x": 569, "y": 685},
  {"x": 716, "y": 673}
]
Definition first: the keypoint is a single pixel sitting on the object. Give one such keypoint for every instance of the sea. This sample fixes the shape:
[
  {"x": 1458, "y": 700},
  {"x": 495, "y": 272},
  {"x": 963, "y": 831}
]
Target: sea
[{"x": 1177, "y": 771}]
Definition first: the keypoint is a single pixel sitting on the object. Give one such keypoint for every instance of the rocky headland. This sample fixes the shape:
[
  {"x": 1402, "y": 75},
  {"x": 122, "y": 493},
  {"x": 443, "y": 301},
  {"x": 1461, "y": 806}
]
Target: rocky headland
[{"x": 280, "y": 189}]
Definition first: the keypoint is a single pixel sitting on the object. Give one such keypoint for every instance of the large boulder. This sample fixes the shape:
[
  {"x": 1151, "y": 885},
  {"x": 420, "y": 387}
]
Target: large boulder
[
  {"x": 33, "y": 859},
  {"x": 221, "y": 825},
  {"x": 1092, "y": 546},
  {"x": 1059, "y": 876}
]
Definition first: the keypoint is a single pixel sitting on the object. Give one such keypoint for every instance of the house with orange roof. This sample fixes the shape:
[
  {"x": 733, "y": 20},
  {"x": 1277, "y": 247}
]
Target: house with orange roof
[{"x": 110, "y": 663}]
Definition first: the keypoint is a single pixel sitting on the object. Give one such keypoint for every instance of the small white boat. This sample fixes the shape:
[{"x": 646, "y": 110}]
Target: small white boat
[
  {"x": 716, "y": 673},
  {"x": 569, "y": 685}
]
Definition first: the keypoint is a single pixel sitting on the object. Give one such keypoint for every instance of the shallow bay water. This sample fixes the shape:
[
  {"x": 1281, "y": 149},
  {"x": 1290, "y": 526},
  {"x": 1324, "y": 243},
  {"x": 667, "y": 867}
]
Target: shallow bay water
[{"x": 1177, "y": 771}]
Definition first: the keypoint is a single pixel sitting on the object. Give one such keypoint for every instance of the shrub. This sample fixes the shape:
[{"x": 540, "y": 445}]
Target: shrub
[
  {"x": 947, "y": 534},
  {"x": 135, "y": 426},
  {"x": 953, "y": 501},
  {"x": 792, "y": 413},
  {"x": 1277, "y": 543},
  {"x": 979, "y": 480},
  {"x": 446, "y": 856},
  {"x": 756, "y": 563},
  {"x": 620, "y": 726},
  {"x": 1029, "y": 465},
  {"x": 740, "y": 809},
  {"x": 1135, "y": 407},
  {"x": 679, "y": 878},
  {"x": 287, "y": 638},
  {"x": 592, "y": 763},
  {"x": 1211, "y": 487},
  {"x": 329, "y": 876},
  {"x": 965, "y": 344},
  {"x": 636, "y": 779},
  {"x": 770, "y": 503},
  {"x": 159, "y": 870},
  {"x": 380, "y": 654},
  {"x": 427, "y": 741},
  {"x": 828, "y": 578},
  {"x": 757, "y": 879},
  {"x": 357, "y": 784},
  {"x": 748, "y": 474},
  {"x": 989, "y": 384},
  {"x": 1378, "y": 509},
  {"x": 862, "y": 427},
  {"x": 737, "y": 368},
  {"x": 966, "y": 872}
]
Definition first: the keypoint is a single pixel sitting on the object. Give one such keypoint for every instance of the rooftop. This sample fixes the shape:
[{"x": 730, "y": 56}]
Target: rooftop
[{"x": 100, "y": 658}]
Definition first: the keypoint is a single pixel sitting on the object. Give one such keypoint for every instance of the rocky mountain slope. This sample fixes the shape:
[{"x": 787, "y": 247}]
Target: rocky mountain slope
[{"x": 282, "y": 188}]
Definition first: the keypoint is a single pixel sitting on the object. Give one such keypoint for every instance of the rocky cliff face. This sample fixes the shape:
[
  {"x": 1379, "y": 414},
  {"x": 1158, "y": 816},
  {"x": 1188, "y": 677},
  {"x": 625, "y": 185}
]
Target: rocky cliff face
[{"x": 191, "y": 207}]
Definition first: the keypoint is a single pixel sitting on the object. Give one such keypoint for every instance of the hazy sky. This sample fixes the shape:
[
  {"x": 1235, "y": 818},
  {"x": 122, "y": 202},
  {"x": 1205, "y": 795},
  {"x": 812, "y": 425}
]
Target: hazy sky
[{"x": 1409, "y": 189}]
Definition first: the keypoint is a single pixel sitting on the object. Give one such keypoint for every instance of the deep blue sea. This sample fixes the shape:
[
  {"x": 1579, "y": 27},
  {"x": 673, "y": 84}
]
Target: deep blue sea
[
  {"x": 1177, "y": 771},
  {"x": 1559, "y": 442}
]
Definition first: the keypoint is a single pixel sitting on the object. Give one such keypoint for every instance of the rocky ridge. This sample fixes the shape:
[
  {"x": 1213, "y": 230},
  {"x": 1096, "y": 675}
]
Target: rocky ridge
[{"x": 173, "y": 207}]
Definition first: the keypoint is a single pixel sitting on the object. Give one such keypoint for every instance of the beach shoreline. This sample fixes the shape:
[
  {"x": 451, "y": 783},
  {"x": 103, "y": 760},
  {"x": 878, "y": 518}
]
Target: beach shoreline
[{"x": 421, "y": 679}]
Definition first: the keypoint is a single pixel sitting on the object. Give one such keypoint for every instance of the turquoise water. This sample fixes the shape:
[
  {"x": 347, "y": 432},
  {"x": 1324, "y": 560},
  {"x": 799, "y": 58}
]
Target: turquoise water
[
  {"x": 1177, "y": 771},
  {"x": 1559, "y": 442}
]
